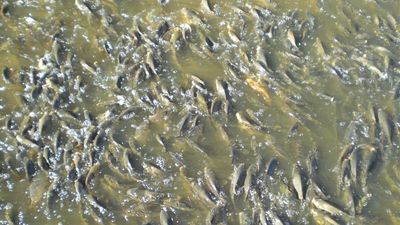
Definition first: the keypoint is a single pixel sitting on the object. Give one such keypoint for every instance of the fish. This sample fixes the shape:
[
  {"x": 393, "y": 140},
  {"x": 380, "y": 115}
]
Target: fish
[
  {"x": 57, "y": 50},
  {"x": 87, "y": 67},
  {"x": 11, "y": 124},
  {"x": 210, "y": 44},
  {"x": 256, "y": 86},
  {"x": 216, "y": 215},
  {"x": 206, "y": 6},
  {"x": 68, "y": 116},
  {"x": 250, "y": 179},
  {"x": 49, "y": 156},
  {"x": 297, "y": 180},
  {"x": 51, "y": 195},
  {"x": 90, "y": 136},
  {"x": 73, "y": 174},
  {"x": 183, "y": 124},
  {"x": 291, "y": 38},
  {"x": 216, "y": 105},
  {"x": 374, "y": 155},
  {"x": 367, "y": 64},
  {"x": 262, "y": 216},
  {"x": 201, "y": 102},
  {"x": 196, "y": 147},
  {"x": 224, "y": 89},
  {"x": 314, "y": 191},
  {"x": 322, "y": 218},
  {"x": 162, "y": 141},
  {"x": 131, "y": 163},
  {"x": 212, "y": 183},
  {"x": 5, "y": 9},
  {"x": 345, "y": 173},
  {"x": 192, "y": 18},
  {"x": 232, "y": 35},
  {"x": 386, "y": 125},
  {"x": 37, "y": 188},
  {"x": 275, "y": 218},
  {"x": 246, "y": 122},
  {"x": 153, "y": 169},
  {"x": 165, "y": 219},
  {"x": 108, "y": 47},
  {"x": 202, "y": 193},
  {"x": 244, "y": 219},
  {"x": 199, "y": 51},
  {"x": 163, "y": 29},
  {"x": 350, "y": 135},
  {"x": 319, "y": 47},
  {"x": 234, "y": 71},
  {"x": 260, "y": 57},
  {"x": 30, "y": 168},
  {"x": 37, "y": 90},
  {"x": 347, "y": 151},
  {"x": 89, "y": 214},
  {"x": 370, "y": 157},
  {"x": 42, "y": 162},
  {"x": 355, "y": 164},
  {"x": 43, "y": 123},
  {"x": 163, "y": 2},
  {"x": 138, "y": 194},
  {"x": 350, "y": 200},
  {"x": 221, "y": 131},
  {"x": 120, "y": 81},
  {"x": 91, "y": 173},
  {"x": 83, "y": 7},
  {"x": 271, "y": 166},
  {"x": 327, "y": 207},
  {"x": 93, "y": 201},
  {"x": 237, "y": 180},
  {"x": 27, "y": 142},
  {"x": 178, "y": 203},
  {"x": 56, "y": 141},
  {"x": 7, "y": 72},
  {"x": 10, "y": 214},
  {"x": 313, "y": 163}
]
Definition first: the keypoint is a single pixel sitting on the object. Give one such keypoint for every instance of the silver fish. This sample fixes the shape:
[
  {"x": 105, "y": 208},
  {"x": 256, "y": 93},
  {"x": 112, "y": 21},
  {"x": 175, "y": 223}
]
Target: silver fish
[
  {"x": 291, "y": 38},
  {"x": 250, "y": 179},
  {"x": 297, "y": 181},
  {"x": 212, "y": 182},
  {"x": 88, "y": 68},
  {"x": 131, "y": 163},
  {"x": 237, "y": 179},
  {"x": 386, "y": 125},
  {"x": 202, "y": 193},
  {"x": 321, "y": 217},
  {"x": 43, "y": 123},
  {"x": 91, "y": 173},
  {"x": 327, "y": 206}
]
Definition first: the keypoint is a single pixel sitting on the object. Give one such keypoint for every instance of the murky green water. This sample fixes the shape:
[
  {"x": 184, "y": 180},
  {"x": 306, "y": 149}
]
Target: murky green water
[{"x": 121, "y": 112}]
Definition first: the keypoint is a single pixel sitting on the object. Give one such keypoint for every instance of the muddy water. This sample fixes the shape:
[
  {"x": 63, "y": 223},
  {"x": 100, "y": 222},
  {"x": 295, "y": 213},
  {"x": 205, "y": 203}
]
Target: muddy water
[{"x": 110, "y": 111}]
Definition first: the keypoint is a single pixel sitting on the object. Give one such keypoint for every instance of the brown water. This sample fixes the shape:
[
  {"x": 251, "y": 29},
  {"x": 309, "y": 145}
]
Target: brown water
[{"x": 320, "y": 92}]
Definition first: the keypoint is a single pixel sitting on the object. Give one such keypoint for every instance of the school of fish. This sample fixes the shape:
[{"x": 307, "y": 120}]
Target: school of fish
[{"x": 208, "y": 112}]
